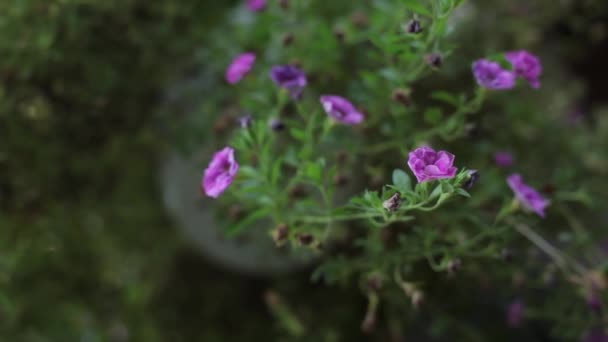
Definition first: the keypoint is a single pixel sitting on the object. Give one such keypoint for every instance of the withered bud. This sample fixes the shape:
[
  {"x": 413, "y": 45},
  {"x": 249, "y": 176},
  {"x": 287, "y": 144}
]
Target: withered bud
[
  {"x": 272, "y": 298},
  {"x": 417, "y": 298},
  {"x": 280, "y": 233},
  {"x": 223, "y": 124},
  {"x": 393, "y": 203},
  {"x": 298, "y": 191},
  {"x": 339, "y": 34},
  {"x": 369, "y": 323},
  {"x": 284, "y": 4},
  {"x": 454, "y": 265},
  {"x": 342, "y": 157},
  {"x": 277, "y": 125},
  {"x": 413, "y": 26},
  {"x": 402, "y": 96},
  {"x": 305, "y": 239},
  {"x": 375, "y": 281},
  {"x": 359, "y": 19},
  {"x": 288, "y": 39},
  {"x": 340, "y": 180},
  {"x": 236, "y": 212},
  {"x": 434, "y": 60}
]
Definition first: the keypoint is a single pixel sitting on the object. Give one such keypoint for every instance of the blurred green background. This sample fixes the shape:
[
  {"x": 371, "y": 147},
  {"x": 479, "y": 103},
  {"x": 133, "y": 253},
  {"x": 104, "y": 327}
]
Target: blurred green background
[{"x": 87, "y": 252}]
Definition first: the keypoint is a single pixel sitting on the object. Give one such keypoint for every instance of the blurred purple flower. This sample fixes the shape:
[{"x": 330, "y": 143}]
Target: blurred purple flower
[
  {"x": 290, "y": 78},
  {"x": 245, "y": 121},
  {"x": 527, "y": 196},
  {"x": 526, "y": 65},
  {"x": 428, "y": 164},
  {"x": 220, "y": 173},
  {"x": 239, "y": 67},
  {"x": 596, "y": 335},
  {"x": 492, "y": 76},
  {"x": 503, "y": 159},
  {"x": 515, "y": 313},
  {"x": 256, "y": 5},
  {"x": 341, "y": 109}
]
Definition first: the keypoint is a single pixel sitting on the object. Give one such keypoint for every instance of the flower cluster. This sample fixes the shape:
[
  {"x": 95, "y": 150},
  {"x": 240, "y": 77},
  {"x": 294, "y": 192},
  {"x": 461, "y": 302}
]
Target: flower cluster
[{"x": 492, "y": 75}]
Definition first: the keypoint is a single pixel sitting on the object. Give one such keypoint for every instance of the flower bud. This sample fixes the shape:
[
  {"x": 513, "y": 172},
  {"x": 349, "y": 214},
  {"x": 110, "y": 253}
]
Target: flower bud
[
  {"x": 277, "y": 125},
  {"x": 298, "y": 191},
  {"x": 454, "y": 265},
  {"x": 245, "y": 121},
  {"x": 413, "y": 26},
  {"x": 340, "y": 179},
  {"x": 339, "y": 34},
  {"x": 393, "y": 203},
  {"x": 434, "y": 60},
  {"x": 417, "y": 298},
  {"x": 288, "y": 39},
  {"x": 305, "y": 239},
  {"x": 402, "y": 96},
  {"x": 473, "y": 177},
  {"x": 342, "y": 157},
  {"x": 236, "y": 212},
  {"x": 594, "y": 302},
  {"x": 284, "y": 4},
  {"x": 280, "y": 234},
  {"x": 375, "y": 281}
]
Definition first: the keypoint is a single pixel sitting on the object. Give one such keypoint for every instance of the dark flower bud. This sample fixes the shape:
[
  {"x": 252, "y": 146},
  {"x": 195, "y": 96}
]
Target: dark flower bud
[
  {"x": 288, "y": 39},
  {"x": 434, "y": 60},
  {"x": 359, "y": 19},
  {"x": 454, "y": 265},
  {"x": 305, "y": 239},
  {"x": 277, "y": 125},
  {"x": 393, "y": 203},
  {"x": 548, "y": 189},
  {"x": 413, "y": 26},
  {"x": 402, "y": 96},
  {"x": 594, "y": 302},
  {"x": 506, "y": 255},
  {"x": 417, "y": 298},
  {"x": 473, "y": 178},
  {"x": 339, "y": 34},
  {"x": 280, "y": 234},
  {"x": 340, "y": 180},
  {"x": 236, "y": 212},
  {"x": 284, "y": 4},
  {"x": 223, "y": 123}
]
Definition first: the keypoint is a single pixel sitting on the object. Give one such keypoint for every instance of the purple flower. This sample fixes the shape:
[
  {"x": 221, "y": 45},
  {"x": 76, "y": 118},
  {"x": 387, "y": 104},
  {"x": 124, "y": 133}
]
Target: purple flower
[
  {"x": 596, "y": 335},
  {"x": 491, "y": 75},
  {"x": 256, "y": 5},
  {"x": 527, "y": 196},
  {"x": 503, "y": 159},
  {"x": 290, "y": 78},
  {"x": 341, "y": 109},
  {"x": 239, "y": 67},
  {"x": 428, "y": 164},
  {"x": 515, "y": 313},
  {"x": 220, "y": 173},
  {"x": 526, "y": 65}
]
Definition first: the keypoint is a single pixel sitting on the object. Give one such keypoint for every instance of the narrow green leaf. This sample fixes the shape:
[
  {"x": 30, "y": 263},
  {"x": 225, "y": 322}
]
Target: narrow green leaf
[{"x": 417, "y": 7}]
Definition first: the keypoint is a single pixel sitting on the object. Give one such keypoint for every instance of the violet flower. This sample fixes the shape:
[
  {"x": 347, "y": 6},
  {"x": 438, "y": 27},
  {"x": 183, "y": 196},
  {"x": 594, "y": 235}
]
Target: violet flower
[
  {"x": 341, "y": 109},
  {"x": 245, "y": 121},
  {"x": 492, "y": 76},
  {"x": 529, "y": 198},
  {"x": 596, "y": 335},
  {"x": 515, "y": 313},
  {"x": 503, "y": 159},
  {"x": 289, "y": 77},
  {"x": 256, "y": 5},
  {"x": 239, "y": 67},
  {"x": 526, "y": 65},
  {"x": 428, "y": 164},
  {"x": 220, "y": 173}
]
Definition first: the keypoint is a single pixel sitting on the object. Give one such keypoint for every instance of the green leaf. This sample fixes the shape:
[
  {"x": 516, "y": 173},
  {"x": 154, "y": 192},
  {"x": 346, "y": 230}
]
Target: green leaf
[
  {"x": 446, "y": 97},
  {"x": 401, "y": 180},
  {"x": 417, "y": 7},
  {"x": 247, "y": 221},
  {"x": 313, "y": 171},
  {"x": 463, "y": 192},
  {"x": 446, "y": 188},
  {"x": 433, "y": 115}
]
